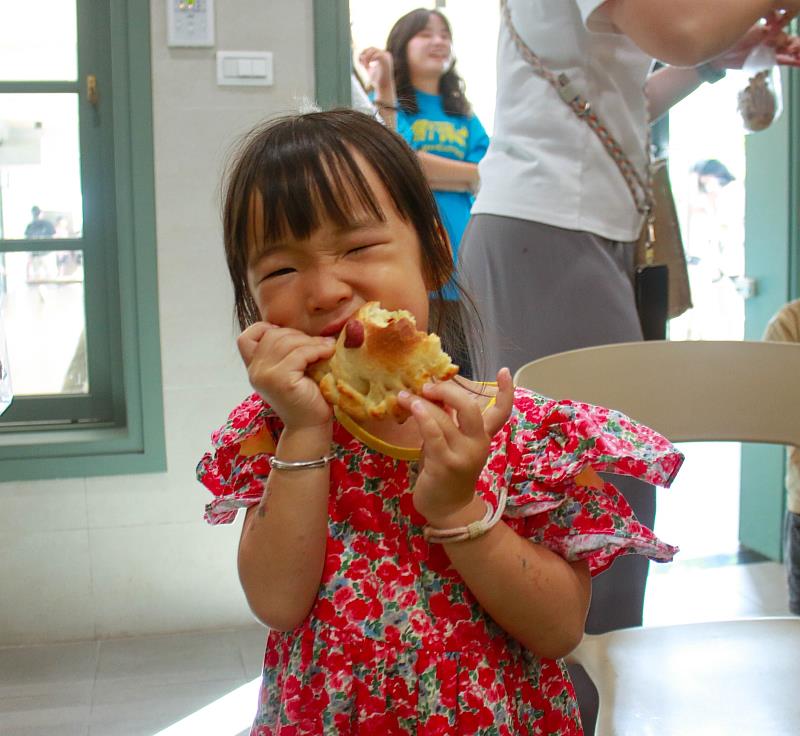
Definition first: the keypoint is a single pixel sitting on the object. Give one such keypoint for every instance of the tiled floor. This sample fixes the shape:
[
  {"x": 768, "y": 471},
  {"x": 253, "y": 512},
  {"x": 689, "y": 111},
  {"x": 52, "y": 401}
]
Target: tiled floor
[{"x": 155, "y": 686}]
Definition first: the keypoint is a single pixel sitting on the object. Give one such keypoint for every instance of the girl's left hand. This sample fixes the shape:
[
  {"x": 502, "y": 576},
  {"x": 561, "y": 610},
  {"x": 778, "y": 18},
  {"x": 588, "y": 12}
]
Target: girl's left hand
[{"x": 455, "y": 443}]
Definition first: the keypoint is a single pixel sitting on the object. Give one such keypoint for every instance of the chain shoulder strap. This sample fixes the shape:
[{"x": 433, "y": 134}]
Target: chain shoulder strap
[{"x": 641, "y": 187}]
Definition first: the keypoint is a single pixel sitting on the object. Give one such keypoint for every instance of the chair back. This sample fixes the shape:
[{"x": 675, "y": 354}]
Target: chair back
[{"x": 688, "y": 391}]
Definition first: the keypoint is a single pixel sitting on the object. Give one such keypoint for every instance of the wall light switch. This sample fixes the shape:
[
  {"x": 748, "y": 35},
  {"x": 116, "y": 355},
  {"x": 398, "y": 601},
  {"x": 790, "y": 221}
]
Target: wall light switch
[
  {"x": 190, "y": 23},
  {"x": 251, "y": 68}
]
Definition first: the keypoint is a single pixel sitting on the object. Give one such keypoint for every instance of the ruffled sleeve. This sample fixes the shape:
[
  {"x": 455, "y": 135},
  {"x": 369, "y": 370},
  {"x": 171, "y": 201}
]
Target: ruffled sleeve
[
  {"x": 237, "y": 468},
  {"x": 555, "y": 498}
]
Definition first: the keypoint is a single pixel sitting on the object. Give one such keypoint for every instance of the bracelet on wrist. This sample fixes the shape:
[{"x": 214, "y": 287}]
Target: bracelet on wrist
[
  {"x": 709, "y": 73},
  {"x": 470, "y": 531},
  {"x": 321, "y": 462},
  {"x": 385, "y": 105}
]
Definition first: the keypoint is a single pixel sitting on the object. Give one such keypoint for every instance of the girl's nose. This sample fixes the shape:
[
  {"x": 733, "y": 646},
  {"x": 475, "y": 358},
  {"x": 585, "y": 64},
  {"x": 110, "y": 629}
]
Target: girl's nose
[{"x": 327, "y": 289}]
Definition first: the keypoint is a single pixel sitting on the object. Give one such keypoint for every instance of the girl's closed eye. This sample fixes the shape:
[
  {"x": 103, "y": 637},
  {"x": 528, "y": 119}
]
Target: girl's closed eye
[
  {"x": 276, "y": 272},
  {"x": 360, "y": 248}
]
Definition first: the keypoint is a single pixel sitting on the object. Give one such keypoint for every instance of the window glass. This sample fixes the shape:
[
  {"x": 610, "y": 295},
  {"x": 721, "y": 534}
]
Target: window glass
[
  {"x": 40, "y": 185},
  {"x": 42, "y": 308},
  {"x": 38, "y": 40}
]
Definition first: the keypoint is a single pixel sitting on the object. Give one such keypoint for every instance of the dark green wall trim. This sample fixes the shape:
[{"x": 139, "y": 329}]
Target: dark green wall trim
[
  {"x": 134, "y": 442},
  {"x": 793, "y": 104},
  {"x": 332, "y": 55}
]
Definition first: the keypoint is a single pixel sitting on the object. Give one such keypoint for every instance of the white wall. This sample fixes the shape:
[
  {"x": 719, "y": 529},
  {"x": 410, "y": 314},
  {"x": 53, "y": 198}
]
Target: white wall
[{"x": 117, "y": 556}]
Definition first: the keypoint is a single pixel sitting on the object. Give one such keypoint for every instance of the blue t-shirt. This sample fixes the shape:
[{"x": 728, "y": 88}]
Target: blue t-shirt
[{"x": 461, "y": 138}]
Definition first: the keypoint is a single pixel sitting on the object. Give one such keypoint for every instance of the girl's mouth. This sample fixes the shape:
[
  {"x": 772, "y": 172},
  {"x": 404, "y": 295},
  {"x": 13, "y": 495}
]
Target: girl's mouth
[{"x": 334, "y": 328}]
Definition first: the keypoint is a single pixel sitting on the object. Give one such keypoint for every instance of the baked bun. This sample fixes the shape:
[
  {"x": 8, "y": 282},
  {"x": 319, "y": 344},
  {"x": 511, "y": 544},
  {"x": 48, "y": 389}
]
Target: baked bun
[{"x": 378, "y": 354}]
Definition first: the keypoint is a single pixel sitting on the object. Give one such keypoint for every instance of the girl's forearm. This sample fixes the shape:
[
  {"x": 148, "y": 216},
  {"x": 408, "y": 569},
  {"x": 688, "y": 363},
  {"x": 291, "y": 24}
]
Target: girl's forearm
[
  {"x": 534, "y": 594},
  {"x": 448, "y": 174},
  {"x": 685, "y": 32},
  {"x": 282, "y": 546}
]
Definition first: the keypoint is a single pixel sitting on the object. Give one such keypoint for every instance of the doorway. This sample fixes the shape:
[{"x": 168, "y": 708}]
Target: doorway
[{"x": 707, "y": 164}]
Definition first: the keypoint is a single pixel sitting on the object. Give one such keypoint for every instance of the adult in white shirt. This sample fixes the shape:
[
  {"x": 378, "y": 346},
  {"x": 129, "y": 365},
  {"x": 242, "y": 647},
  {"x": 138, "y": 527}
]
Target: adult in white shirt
[{"x": 548, "y": 252}]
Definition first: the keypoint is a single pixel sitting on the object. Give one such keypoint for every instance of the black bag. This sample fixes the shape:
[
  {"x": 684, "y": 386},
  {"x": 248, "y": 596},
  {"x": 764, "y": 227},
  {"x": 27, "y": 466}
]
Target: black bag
[{"x": 651, "y": 287}]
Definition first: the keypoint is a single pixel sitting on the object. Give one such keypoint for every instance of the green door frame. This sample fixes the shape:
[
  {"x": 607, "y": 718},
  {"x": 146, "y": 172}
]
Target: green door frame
[
  {"x": 772, "y": 258},
  {"x": 332, "y": 58}
]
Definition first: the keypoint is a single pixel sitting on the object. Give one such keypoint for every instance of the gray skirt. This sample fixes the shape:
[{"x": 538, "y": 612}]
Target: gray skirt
[{"x": 541, "y": 289}]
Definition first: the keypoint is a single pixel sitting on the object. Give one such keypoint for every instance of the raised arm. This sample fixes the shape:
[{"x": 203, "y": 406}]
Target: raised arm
[
  {"x": 534, "y": 594},
  {"x": 380, "y": 71},
  {"x": 688, "y": 32},
  {"x": 670, "y": 84},
  {"x": 282, "y": 545}
]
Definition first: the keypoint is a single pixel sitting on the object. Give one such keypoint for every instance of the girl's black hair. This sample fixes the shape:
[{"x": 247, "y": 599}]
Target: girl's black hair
[
  {"x": 303, "y": 170},
  {"x": 451, "y": 86}
]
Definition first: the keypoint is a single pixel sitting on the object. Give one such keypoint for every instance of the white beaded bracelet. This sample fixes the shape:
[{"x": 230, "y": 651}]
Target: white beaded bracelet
[
  {"x": 276, "y": 464},
  {"x": 470, "y": 531}
]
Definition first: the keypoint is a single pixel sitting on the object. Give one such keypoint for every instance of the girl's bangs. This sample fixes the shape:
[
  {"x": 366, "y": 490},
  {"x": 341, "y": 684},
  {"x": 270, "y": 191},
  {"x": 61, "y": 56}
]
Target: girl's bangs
[{"x": 310, "y": 185}]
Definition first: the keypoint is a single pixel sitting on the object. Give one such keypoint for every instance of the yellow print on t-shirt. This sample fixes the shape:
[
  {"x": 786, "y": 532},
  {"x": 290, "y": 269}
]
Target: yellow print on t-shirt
[{"x": 440, "y": 135}]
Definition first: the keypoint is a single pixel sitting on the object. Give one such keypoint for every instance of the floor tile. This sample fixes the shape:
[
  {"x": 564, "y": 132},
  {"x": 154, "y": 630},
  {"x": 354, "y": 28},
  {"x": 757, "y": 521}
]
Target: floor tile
[
  {"x": 134, "y": 708},
  {"x": 39, "y": 670},
  {"x": 252, "y": 643},
  {"x": 688, "y": 594},
  {"x": 193, "y": 657},
  {"x": 61, "y": 729}
]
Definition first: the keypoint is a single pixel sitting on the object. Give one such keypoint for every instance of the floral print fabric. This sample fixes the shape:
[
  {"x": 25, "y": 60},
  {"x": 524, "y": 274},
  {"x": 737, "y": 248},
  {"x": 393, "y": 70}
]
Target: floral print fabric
[{"x": 396, "y": 643}]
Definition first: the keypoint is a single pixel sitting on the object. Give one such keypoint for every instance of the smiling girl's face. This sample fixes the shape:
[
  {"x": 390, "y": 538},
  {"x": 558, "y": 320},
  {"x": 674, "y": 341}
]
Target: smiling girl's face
[
  {"x": 315, "y": 284},
  {"x": 429, "y": 52}
]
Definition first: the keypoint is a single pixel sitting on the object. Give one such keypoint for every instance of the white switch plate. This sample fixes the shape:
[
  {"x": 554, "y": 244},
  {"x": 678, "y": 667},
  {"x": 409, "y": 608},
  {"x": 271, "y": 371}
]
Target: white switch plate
[
  {"x": 251, "y": 68},
  {"x": 190, "y": 23}
]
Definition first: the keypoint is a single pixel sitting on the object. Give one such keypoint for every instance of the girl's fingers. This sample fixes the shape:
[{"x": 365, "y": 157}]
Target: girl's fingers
[
  {"x": 467, "y": 411},
  {"x": 278, "y": 343},
  {"x": 302, "y": 357},
  {"x": 433, "y": 425},
  {"x": 498, "y": 413},
  {"x": 248, "y": 340},
  {"x": 434, "y": 422}
]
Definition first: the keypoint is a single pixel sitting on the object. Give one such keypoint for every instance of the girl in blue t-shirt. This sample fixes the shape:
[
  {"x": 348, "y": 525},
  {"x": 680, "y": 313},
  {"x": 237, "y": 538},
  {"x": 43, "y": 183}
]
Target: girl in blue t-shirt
[{"x": 417, "y": 89}]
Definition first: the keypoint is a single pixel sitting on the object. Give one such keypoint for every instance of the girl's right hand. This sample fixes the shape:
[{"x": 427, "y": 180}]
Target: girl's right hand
[
  {"x": 379, "y": 66},
  {"x": 276, "y": 359}
]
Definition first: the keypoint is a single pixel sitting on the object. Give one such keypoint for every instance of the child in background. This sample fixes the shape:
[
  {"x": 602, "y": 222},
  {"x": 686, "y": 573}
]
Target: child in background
[
  {"x": 373, "y": 628},
  {"x": 785, "y": 327},
  {"x": 415, "y": 80}
]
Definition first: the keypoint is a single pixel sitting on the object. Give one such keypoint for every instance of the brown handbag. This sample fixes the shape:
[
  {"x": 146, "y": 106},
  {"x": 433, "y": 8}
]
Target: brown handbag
[{"x": 667, "y": 245}]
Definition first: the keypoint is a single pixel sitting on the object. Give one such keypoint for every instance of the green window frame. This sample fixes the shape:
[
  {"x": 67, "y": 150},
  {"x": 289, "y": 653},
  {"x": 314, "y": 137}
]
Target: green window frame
[
  {"x": 332, "y": 53},
  {"x": 119, "y": 427}
]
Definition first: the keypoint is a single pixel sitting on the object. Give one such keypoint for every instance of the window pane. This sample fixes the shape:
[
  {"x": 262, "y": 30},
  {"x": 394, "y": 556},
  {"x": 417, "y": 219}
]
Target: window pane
[
  {"x": 39, "y": 166},
  {"x": 38, "y": 40},
  {"x": 42, "y": 307}
]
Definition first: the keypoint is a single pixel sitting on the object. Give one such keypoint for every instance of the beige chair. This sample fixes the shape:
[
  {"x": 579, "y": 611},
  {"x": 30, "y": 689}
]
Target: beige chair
[{"x": 726, "y": 677}]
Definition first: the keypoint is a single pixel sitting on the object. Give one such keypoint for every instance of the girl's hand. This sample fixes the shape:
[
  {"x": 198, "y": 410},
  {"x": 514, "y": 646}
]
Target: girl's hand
[
  {"x": 379, "y": 66},
  {"x": 276, "y": 359},
  {"x": 455, "y": 445}
]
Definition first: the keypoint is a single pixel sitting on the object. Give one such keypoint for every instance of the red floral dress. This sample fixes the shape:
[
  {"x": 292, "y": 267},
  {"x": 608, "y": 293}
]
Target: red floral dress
[{"x": 396, "y": 643}]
